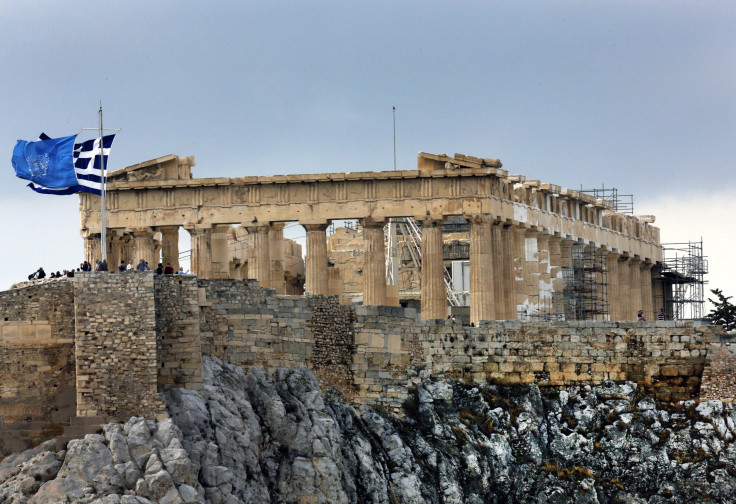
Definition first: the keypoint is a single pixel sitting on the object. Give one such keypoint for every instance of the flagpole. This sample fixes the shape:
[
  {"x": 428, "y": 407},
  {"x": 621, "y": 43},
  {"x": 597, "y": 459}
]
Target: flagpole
[{"x": 103, "y": 238}]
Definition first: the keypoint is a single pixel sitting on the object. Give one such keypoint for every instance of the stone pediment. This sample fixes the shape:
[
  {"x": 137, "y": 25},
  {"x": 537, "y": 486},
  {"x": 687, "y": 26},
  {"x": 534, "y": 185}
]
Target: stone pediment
[{"x": 170, "y": 167}]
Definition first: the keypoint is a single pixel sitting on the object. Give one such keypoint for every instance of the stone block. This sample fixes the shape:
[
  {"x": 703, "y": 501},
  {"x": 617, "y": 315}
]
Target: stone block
[{"x": 669, "y": 370}]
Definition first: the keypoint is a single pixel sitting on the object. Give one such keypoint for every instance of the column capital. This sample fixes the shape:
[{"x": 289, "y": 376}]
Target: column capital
[
  {"x": 257, "y": 229},
  {"x": 315, "y": 227},
  {"x": 168, "y": 229},
  {"x": 196, "y": 227},
  {"x": 479, "y": 218},
  {"x": 141, "y": 231},
  {"x": 372, "y": 222},
  {"x": 428, "y": 221},
  {"x": 305, "y": 222},
  {"x": 87, "y": 234}
]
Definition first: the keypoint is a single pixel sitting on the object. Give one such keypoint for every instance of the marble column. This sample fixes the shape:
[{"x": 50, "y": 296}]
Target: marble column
[
  {"x": 126, "y": 249},
  {"x": 259, "y": 266},
  {"x": 276, "y": 251},
  {"x": 509, "y": 275},
  {"x": 316, "y": 282},
  {"x": 201, "y": 255},
  {"x": 545, "y": 273},
  {"x": 92, "y": 248},
  {"x": 144, "y": 247},
  {"x": 170, "y": 246},
  {"x": 612, "y": 263},
  {"x": 220, "y": 264},
  {"x": 499, "y": 308},
  {"x": 567, "y": 275},
  {"x": 635, "y": 286},
  {"x": 520, "y": 266},
  {"x": 113, "y": 249},
  {"x": 374, "y": 263},
  {"x": 555, "y": 274},
  {"x": 434, "y": 295},
  {"x": 647, "y": 302},
  {"x": 482, "y": 278},
  {"x": 531, "y": 271},
  {"x": 625, "y": 310}
]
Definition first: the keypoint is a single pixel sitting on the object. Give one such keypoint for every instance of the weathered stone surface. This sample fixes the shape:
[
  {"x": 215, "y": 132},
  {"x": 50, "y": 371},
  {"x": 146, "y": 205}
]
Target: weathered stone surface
[{"x": 261, "y": 437}]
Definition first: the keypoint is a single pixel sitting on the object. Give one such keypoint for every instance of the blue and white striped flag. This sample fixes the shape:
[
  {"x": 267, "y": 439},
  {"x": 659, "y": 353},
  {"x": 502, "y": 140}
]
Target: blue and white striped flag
[{"x": 87, "y": 167}]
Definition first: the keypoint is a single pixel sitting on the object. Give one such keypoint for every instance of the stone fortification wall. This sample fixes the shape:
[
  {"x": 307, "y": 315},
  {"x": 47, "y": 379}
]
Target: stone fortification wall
[
  {"x": 179, "y": 345},
  {"x": 394, "y": 349},
  {"x": 720, "y": 368},
  {"x": 115, "y": 345},
  {"x": 332, "y": 327},
  {"x": 116, "y": 340},
  {"x": 243, "y": 324},
  {"x": 37, "y": 387}
]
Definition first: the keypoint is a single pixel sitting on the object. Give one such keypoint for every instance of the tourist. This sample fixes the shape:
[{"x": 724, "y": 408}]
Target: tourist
[
  {"x": 40, "y": 273},
  {"x": 660, "y": 315},
  {"x": 122, "y": 266},
  {"x": 159, "y": 269},
  {"x": 103, "y": 265},
  {"x": 640, "y": 316},
  {"x": 181, "y": 271},
  {"x": 142, "y": 266},
  {"x": 168, "y": 270}
]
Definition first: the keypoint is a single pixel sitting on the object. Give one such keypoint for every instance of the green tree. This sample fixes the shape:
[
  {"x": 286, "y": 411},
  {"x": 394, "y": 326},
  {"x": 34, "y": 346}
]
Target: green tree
[{"x": 724, "y": 313}]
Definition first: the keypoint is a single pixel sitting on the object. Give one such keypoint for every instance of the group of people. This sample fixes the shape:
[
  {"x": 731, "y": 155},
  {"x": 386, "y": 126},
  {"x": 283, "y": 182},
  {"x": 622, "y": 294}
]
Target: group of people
[
  {"x": 160, "y": 269},
  {"x": 641, "y": 316},
  {"x": 101, "y": 265},
  {"x": 40, "y": 274}
]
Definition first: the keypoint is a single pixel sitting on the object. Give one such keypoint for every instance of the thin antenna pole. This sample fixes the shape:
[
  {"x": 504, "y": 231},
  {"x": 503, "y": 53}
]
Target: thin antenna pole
[
  {"x": 103, "y": 238},
  {"x": 394, "y": 138}
]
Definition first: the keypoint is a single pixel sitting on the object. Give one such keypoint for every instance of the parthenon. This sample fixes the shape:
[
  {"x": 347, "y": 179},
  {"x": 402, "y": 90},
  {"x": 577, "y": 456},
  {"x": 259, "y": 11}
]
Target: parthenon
[{"x": 522, "y": 233}]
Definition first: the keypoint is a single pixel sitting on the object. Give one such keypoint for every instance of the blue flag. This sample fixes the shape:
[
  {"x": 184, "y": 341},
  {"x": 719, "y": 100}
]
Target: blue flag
[
  {"x": 85, "y": 162},
  {"x": 48, "y": 163}
]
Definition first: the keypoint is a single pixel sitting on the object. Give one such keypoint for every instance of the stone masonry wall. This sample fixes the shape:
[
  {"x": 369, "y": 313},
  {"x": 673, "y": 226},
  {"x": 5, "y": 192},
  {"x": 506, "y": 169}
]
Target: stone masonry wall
[
  {"x": 667, "y": 358},
  {"x": 720, "y": 368},
  {"x": 37, "y": 387},
  {"x": 179, "y": 344},
  {"x": 332, "y": 327},
  {"x": 243, "y": 324},
  {"x": 116, "y": 363}
]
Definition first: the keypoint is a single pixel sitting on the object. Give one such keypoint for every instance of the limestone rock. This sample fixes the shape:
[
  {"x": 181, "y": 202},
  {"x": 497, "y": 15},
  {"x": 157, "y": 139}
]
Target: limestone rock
[{"x": 272, "y": 437}]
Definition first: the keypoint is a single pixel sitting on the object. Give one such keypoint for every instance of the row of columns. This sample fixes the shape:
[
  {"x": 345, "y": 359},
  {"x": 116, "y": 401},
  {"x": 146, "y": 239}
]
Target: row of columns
[{"x": 513, "y": 268}]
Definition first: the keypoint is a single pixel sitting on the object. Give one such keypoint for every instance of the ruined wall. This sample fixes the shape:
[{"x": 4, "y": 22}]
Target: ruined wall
[
  {"x": 37, "y": 387},
  {"x": 115, "y": 336},
  {"x": 667, "y": 358},
  {"x": 248, "y": 326},
  {"x": 332, "y": 326},
  {"x": 720, "y": 368},
  {"x": 179, "y": 344}
]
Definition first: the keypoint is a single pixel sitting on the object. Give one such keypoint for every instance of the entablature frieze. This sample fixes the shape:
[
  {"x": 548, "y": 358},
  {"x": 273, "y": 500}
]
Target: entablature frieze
[{"x": 375, "y": 196}]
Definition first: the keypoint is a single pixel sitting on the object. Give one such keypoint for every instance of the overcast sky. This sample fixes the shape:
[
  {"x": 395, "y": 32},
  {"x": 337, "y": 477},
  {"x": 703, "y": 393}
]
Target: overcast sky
[{"x": 638, "y": 95}]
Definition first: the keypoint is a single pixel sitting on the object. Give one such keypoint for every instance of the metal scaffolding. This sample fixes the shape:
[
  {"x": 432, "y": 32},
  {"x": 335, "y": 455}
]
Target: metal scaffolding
[
  {"x": 411, "y": 233},
  {"x": 622, "y": 203},
  {"x": 681, "y": 284},
  {"x": 585, "y": 285}
]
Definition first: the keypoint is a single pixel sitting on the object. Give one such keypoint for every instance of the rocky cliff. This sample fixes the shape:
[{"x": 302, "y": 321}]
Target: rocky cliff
[{"x": 252, "y": 437}]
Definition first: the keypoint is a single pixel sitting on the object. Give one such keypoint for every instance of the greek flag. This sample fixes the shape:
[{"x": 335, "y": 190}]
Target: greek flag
[{"x": 82, "y": 161}]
